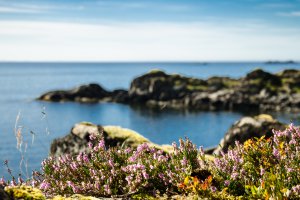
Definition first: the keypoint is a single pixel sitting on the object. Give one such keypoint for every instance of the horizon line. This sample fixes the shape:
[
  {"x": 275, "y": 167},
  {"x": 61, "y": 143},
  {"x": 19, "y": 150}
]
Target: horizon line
[{"x": 155, "y": 61}]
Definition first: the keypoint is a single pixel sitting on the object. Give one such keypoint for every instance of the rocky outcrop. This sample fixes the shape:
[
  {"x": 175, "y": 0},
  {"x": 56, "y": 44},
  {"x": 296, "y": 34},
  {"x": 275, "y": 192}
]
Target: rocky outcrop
[
  {"x": 258, "y": 90},
  {"x": 77, "y": 140},
  {"x": 247, "y": 128},
  {"x": 91, "y": 93}
]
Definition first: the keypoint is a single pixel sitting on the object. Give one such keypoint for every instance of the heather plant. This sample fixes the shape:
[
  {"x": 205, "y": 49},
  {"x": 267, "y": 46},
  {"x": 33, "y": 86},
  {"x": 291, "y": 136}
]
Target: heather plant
[
  {"x": 118, "y": 171},
  {"x": 262, "y": 168},
  {"x": 258, "y": 169}
]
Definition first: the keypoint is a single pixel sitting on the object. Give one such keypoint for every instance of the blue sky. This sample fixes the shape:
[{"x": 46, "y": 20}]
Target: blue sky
[{"x": 157, "y": 30}]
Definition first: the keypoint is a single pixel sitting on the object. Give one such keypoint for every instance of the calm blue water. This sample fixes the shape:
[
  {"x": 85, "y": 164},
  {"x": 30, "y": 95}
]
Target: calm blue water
[{"x": 20, "y": 83}]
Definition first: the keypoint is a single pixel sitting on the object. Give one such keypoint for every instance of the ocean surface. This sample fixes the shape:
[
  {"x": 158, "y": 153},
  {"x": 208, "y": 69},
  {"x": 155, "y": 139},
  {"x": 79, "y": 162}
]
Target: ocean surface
[{"x": 40, "y": 122}]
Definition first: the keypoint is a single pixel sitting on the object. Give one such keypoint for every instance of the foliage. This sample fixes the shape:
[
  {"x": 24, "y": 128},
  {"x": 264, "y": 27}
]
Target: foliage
[
  {"x": 263, "y": 168},
  {"x": 113, "y": 172},
  {"x": 258, "y": 169}
]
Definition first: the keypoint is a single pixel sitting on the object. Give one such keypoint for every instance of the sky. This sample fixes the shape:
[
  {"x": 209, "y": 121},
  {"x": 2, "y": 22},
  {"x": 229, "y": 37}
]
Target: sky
[{"x": 156, "y": 30}]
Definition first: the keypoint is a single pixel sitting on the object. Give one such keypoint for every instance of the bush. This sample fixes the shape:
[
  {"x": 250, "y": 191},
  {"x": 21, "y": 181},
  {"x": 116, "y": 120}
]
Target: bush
[
  {"x": 258, "y": 169},
  {"x": 109, "y": 172}
]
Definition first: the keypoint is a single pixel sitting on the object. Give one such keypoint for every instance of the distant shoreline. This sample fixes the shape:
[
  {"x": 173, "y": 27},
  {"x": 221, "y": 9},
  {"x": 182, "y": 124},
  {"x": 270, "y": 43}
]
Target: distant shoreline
[{"x": 152, "y": 62}]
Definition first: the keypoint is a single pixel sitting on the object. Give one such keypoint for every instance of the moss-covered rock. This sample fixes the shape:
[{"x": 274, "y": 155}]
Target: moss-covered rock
[
  {"x": 258, "y": 90},
  {"x": 247, "y": 128},
  {"x": 76, "y": 141},
  {"x": 25, "y": 193}
]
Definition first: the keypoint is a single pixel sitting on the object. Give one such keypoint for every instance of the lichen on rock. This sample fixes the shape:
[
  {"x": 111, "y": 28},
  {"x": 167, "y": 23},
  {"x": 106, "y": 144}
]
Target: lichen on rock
[{"x": 25, "y": 193}]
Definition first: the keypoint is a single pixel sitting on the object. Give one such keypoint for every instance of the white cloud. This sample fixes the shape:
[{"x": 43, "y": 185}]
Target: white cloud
[
  {"x": 290, "y": 14},
  {"x": 53, "y": 41},
  {"x": 9, "y": 9}
]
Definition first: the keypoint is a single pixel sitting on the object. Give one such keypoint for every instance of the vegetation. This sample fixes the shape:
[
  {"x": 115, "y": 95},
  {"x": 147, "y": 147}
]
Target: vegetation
[{"x": 261, "y": 168}]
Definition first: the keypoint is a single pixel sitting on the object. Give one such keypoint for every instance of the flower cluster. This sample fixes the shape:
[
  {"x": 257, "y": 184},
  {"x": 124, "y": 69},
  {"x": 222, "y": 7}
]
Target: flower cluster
[
  {"x": 263, "y": 168},
  {"x": 119, "y": 171},
  {"x": 258, "y": 169}
]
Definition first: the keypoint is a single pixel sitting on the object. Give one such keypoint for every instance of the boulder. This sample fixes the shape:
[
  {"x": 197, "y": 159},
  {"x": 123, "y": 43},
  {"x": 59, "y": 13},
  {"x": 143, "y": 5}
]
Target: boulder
[
  {"x": 84, "y": 93},
  {"x": 249, "y": 127},
  {"x": 24, "y": 192},
  {"x": 157, "y": 85},
  {"x": 77, "y": 140}
]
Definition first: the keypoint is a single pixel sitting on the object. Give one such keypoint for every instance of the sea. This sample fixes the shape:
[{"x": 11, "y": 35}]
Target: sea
[{"x": 36, "y": 123}]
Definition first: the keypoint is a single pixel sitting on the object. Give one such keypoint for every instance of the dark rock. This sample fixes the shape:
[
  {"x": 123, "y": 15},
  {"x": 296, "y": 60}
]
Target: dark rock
[
  {"x": 257, "y": 91},
  {"x": 276, "y": 62},
  {"x": 4, "y": 195},
  {"x": 249, "y": 127},
  {"x": 84, "y": 93},
  {"x": 77, "y": 140},
  {"x": 158, "y": 86}
]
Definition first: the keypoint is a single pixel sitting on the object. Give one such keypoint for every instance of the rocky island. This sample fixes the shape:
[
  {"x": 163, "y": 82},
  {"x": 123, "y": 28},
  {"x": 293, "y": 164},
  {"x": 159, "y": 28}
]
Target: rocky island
[{"x": 258, "y": 90}]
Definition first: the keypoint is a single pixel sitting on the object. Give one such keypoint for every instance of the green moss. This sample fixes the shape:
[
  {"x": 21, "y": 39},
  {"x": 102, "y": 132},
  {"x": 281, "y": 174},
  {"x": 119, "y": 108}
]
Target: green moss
[
  {"x": 196, "y": 87},
  {"x": 287, "y": 80},
  {"x": 178, "y": 82},
  {"x": 255, "y": 81},
  {"x": 25, "y": 193},
  {"x": 265, "y": 117},
  {"x": 296, "y": 90},
  {"x": 231, "y": 83},
  {"x": 128, "y": 135},
  {"x": 271, "y": 87},
  {"x": 87, "y": 123},
  {"x": 155, "y": 71}
]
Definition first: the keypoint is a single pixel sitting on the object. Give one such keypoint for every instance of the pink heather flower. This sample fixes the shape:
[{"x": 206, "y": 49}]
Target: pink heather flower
[
  {"x": 44, "y": 185},
  {"x": 234, "y": 175},
  {"x": 92, "y": 136},
  {"x": 289, "y": 170},
  {"x": 79, "y": 157},
  {"x": 142, "y": 147},
  {"x": 276, "y": 153},
  {"x": 161, "y": 175},
  {"x": 128, "y": 150},
  {"x": 85, "y": 158},
  {"x": 145, "y": 175},
  {"x": 226, "y": 183},
  {"x": 161, "y": 158},
  {"x": 184, "y": 161},
  {"x": 132, "y": 158},
  {"x": 90, "y": 145},
  {"x": 111, "y": 163},
  {"x": 296, "y": 190},
  {"x": 13, "y": 183},
  {"x": 128, "y": 179},
  {"x": 213, "y": 188},
  {"x": 262, "y": 171},
  {"x": 97, "y": 185},
  {"x": 174, "y": 145},
  {"x": 96, "y": 148},
  {"x": 33, "y": 183},
  {"x": 101, "y": 144},
  {"x": 73, "y": 166},
  {"x": 107, "y": 189},
  {"x": 20, "y": 180},
  {"x": 2, "y": 181}
]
